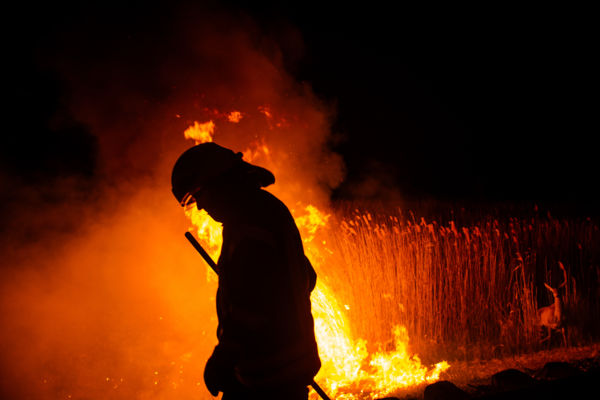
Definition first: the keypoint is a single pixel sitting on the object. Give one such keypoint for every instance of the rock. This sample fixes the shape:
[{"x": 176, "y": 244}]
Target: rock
[
  {"x": 557, "y": 370},
  {"x": 444, "y": 390},
  {"x": 480, "y": 390},
  {"x": 511, "y": 379}
]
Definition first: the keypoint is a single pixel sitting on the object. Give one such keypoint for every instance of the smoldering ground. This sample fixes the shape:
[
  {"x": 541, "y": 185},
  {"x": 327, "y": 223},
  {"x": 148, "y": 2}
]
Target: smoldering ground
[{"x": 101, "y": 296}]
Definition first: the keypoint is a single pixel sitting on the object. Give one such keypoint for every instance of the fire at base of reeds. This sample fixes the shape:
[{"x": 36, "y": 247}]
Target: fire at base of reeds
[
  {"x": 101, "y": 295},
  {"x": 348, "y": 367},
  {"x": 392, "y": 287},
  {"x": 125, "y": 307}
]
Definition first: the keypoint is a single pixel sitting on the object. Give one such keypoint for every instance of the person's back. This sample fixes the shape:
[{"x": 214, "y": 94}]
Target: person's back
[
  {"x": 267, "y": 347},
  {"x": 264, "y": 296}
]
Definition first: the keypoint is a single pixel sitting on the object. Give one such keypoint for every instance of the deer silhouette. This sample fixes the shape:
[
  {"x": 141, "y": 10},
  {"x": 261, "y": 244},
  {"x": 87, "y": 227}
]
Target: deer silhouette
[{"x": 553, "y": 316}]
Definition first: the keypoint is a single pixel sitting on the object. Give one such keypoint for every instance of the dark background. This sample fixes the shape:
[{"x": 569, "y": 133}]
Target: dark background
[{"x": 480, "y": 103}]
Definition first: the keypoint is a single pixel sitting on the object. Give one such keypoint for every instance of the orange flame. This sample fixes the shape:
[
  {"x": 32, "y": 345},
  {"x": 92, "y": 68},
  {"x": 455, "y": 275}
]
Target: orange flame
[
  {"x": 347, "y": 367},
  {"x": 200, "y": 133}
]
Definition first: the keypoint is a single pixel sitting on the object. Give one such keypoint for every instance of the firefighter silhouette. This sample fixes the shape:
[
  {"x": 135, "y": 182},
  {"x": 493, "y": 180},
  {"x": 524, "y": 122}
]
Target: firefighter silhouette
[{"x": 266, "y": 342}]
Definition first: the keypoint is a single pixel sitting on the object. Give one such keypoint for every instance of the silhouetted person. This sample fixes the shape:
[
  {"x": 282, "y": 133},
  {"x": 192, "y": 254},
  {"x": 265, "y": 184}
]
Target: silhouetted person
[{"x": 267, "y": 347}]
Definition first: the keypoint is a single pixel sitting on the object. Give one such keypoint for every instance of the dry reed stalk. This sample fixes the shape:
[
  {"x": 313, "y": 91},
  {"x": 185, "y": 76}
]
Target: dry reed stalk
[{"x": 465, "y": 292}]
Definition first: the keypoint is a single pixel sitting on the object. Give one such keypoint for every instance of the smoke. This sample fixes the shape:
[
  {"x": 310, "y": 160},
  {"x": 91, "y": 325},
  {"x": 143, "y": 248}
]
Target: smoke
[
  {"x": 102, "y": 313},
  {"x": 101, "y": 297}
]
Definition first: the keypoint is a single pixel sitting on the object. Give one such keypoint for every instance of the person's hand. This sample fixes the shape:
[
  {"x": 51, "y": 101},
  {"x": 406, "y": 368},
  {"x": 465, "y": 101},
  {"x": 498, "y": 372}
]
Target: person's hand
[{"x": 217, "y": 372}]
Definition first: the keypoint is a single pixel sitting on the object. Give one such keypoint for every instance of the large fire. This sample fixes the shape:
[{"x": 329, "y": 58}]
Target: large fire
[
  {"x": 101, "y": 297},
  {"x": 348, "y": 370}
]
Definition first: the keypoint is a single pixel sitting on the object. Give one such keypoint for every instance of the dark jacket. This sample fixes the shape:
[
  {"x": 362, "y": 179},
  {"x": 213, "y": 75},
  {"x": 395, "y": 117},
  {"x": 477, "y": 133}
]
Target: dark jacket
[{"x": 266, "y": 329}]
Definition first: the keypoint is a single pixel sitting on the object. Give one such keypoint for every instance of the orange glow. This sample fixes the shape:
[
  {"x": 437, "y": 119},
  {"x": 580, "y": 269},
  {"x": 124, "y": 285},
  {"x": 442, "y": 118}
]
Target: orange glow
[
  {"x": 266, "y": 110},
  {"x": 257, "y": 151},
  {"x": 347, "y": 366},
  {"x": 234, "y": 117},
  {"x": 208, "y": 231},
  {"x": 200, "y": 133},
  {"x": 311, "y": 222},
  {"x": 97, "y": 273}
]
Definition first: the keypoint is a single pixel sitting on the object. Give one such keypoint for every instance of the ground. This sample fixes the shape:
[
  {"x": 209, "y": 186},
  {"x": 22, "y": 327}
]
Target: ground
[
  {"x": 475, "y": 377},
  {"x": 480, "y": 372}
]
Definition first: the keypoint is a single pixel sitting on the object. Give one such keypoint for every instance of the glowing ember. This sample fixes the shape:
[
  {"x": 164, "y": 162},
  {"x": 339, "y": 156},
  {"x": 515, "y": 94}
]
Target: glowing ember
[
  {"x": 234, "y": 117},
  {"x": 266, "y": 110}
]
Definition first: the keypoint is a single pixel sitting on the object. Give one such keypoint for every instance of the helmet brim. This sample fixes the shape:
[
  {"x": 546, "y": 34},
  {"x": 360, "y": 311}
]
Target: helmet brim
[{"x": 246, "y": 173}]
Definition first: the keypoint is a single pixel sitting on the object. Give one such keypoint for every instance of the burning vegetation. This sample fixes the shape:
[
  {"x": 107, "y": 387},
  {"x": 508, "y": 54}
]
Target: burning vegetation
[
  {"x": 117, "y": 305},
  {"x": 396, "y": 295},
  {"x": 464, "y": 292},
  {"x": 347, "y": 366}
]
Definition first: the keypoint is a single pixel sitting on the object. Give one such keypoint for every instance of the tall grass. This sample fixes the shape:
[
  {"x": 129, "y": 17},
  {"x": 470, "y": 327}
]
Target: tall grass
[{"x": 463, "y": 292}]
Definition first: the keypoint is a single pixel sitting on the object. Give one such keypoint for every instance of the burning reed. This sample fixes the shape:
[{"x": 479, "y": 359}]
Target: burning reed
[{"x": 462, "y": 292}]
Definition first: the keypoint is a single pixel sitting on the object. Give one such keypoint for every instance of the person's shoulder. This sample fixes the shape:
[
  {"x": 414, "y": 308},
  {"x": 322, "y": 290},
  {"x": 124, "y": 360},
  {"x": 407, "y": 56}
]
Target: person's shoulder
[
  {"x": 264, "y": 202},
  {"x": 269, "y": 212}
]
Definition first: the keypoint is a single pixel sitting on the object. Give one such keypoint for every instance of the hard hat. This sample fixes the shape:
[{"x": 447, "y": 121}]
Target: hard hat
[{"x": 208, "y": 164}]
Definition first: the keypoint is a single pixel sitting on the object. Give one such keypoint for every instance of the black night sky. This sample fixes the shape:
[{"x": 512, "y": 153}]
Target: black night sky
[{"x": 487, "y": 103}]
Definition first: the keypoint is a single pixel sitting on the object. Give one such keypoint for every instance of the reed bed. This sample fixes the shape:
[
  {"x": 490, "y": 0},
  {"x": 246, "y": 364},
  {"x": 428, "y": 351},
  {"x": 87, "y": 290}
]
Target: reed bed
[{"x": 467, "y": 291}]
